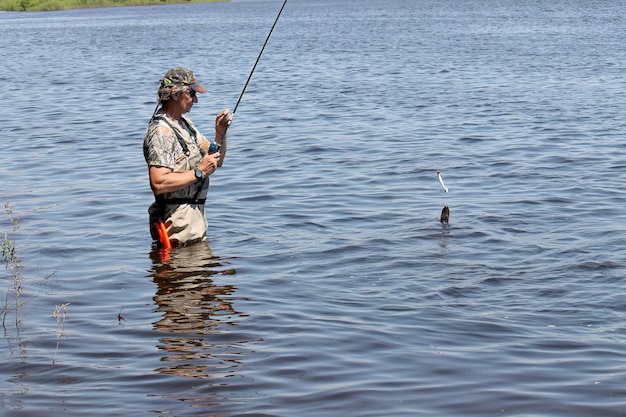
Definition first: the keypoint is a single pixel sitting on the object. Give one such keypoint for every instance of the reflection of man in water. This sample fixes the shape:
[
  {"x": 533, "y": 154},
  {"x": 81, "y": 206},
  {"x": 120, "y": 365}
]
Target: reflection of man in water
[{"x": 194, "y": 310}]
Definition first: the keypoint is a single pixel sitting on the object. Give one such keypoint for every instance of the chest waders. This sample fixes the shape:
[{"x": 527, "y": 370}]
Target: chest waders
[{"x": 162, "y": 202}]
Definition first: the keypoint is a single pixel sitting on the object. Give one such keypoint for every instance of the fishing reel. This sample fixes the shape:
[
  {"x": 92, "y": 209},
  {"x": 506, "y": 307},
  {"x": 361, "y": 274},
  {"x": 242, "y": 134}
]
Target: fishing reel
[{"x": 214, "y": 147}]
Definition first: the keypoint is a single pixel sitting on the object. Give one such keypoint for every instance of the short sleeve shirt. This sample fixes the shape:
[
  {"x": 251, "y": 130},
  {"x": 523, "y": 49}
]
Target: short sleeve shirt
[{"x": 161, "y": 148}]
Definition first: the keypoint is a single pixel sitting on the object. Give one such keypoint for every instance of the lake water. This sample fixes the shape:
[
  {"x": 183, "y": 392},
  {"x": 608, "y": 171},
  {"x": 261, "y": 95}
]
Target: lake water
[{"x": 328, "y": 286}]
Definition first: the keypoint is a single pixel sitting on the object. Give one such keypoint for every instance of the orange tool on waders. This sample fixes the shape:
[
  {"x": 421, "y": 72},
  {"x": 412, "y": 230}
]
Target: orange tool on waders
[{"x": 163, "y": 237}]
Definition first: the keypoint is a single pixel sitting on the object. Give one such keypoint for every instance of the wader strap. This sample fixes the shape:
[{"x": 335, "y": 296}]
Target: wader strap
[
  {"x": 167, "y": 201},
  {"x": 182, "y": 142}
]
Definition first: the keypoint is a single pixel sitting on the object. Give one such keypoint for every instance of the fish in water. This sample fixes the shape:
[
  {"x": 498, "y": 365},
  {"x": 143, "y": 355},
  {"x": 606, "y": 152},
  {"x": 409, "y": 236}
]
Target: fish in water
[{"x": 445, "y": 215}]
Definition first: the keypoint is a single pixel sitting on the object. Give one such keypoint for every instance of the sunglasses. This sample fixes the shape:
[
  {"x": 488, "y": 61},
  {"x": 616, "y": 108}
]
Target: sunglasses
[{"x": 192, "y": 93}]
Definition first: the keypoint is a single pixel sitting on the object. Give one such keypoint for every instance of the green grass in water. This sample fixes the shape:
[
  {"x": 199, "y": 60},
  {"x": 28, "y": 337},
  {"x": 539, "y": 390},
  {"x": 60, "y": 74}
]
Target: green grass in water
[{"x": 47, "y": 5}]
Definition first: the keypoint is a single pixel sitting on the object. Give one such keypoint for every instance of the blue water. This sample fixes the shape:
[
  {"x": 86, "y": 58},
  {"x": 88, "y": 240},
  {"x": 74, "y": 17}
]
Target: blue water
[{"x": 328, "y": 286}]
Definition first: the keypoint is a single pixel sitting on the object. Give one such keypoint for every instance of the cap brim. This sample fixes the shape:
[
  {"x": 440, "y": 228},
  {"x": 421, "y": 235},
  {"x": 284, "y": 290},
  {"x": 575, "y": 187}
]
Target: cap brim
[{"x": 198, "y": 87}]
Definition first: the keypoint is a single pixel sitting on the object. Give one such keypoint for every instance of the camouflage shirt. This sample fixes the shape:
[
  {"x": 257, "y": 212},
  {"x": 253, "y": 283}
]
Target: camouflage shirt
[{"x": 161, "y": 148}]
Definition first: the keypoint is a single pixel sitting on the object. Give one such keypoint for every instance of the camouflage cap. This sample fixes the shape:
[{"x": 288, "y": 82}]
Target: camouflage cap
[{"x": 182, "y": 76}]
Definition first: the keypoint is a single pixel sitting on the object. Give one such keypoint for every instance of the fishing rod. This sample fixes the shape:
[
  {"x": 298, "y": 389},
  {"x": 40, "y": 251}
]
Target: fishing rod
[
  {"x": 214, "y": 147},
  {"x": 254, "y": 67}
]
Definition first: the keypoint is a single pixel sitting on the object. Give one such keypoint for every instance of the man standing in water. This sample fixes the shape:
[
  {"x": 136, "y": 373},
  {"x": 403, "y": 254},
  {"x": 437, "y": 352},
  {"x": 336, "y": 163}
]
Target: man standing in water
[{"x": 180, "y": 160}]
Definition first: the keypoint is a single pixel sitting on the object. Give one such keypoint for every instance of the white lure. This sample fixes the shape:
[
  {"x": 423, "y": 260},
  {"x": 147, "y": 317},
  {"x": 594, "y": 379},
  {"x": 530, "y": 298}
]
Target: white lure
[{"x": 441, "y": 181}]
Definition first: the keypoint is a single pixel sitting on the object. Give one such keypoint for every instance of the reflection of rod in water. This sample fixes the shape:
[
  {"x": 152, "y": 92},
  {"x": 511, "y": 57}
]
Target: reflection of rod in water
[{"x": 255, "y": 64}]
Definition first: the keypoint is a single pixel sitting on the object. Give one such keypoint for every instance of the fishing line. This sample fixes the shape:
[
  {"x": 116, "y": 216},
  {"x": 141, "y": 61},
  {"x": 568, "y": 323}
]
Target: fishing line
[
  {"x": 445, "y": 212},
  {"x": 255, "y": 64},
  {"x": 442, "y": 189}
]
